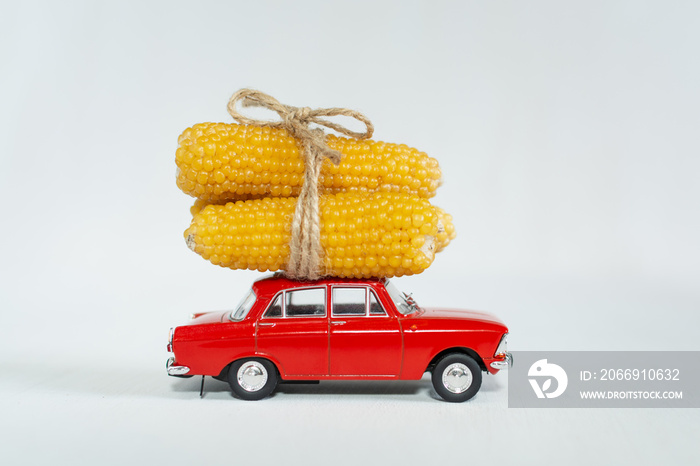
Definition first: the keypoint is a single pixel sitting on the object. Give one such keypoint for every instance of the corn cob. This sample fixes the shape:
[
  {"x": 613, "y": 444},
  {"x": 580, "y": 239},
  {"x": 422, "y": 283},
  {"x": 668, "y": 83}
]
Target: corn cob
[
  {"x": 381, "y": 235},
  {"x": 446, "y": 229},
  {"x": 219, "y": 161}
]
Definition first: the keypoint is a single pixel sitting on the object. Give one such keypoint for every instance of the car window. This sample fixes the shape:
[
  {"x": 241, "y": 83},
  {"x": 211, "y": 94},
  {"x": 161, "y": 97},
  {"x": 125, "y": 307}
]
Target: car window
[
  {"x": 349, "y": 301},
  {"x": 399, "y": 299},
  {"x": 375, "y": 309},
  {"x": 244, "y": 307},
  {"x": 275, "y": 309},
  {"x": 306, "y": 302}
]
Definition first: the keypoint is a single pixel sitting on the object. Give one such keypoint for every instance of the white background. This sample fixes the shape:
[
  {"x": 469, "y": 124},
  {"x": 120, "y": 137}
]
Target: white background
[{"x": 567, "y": 133}]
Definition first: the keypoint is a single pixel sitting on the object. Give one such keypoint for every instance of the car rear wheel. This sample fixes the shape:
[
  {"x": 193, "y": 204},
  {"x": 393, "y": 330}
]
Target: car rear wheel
[
  {"x": 253, "y": 378},
  {"x": 456, "y": 378}
]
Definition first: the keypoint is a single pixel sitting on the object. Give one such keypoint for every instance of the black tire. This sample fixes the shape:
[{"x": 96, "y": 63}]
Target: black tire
[
  {"x": 258, "y": 378},
  {"x": 463, "y": 382}
]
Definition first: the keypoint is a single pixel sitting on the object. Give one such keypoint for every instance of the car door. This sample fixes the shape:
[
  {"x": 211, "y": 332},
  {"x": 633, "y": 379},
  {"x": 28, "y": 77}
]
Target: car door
[
  {"x": 365, "y": 339},
  {"x": 293, "y": 330}
]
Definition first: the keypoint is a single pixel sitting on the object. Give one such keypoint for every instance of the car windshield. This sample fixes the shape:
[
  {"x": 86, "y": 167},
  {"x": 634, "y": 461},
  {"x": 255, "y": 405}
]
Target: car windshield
[
  {"x": 404, "y": 303},
  {"x": 243, "y": 307}
]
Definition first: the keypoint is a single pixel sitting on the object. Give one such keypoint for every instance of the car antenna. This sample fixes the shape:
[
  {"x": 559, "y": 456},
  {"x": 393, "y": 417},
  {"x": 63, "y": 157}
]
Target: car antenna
[{"x": 201, "y": 389}]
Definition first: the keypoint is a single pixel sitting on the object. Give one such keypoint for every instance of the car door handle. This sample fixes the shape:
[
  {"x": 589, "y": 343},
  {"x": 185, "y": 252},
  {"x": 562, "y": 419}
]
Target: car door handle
[
  {"x": 266, "y": 324},
  {"x": 337, "y": 322}
]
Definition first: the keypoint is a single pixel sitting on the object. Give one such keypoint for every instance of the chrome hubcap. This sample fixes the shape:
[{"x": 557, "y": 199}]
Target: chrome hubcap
[
  {"x": 457, "y": 378},
  {"x": 252, "y": 376}
]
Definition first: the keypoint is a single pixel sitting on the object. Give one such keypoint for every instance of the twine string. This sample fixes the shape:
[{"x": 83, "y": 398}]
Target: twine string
[{"x": 305, "y": 250}]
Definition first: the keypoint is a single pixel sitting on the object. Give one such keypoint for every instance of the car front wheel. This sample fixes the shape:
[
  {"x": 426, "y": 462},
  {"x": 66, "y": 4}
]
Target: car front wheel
[
  {"x": 252, "y": 379},
  {"x": 456, "y": 378}
]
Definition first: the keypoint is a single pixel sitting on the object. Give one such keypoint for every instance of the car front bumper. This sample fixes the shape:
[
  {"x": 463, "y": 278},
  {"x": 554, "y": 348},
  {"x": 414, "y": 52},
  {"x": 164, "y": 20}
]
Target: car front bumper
[
  {"x": 176, "y": 371},
  {"x": 504, "y": 363}
]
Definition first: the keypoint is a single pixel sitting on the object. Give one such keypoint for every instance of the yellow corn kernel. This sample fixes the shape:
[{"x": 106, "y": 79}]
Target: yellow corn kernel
[
  {"x": 363, "y": 236},
  {"x": 220, "y": 161},
  {"x": 198, "y": 205}
]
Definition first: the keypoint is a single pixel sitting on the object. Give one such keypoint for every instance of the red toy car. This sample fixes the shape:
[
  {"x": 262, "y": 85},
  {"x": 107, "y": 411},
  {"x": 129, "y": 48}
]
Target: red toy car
[{"x": 335, "y": 329}]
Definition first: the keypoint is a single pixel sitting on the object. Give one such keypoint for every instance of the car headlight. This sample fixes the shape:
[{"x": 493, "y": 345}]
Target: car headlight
[{"x": 502, "y": 347}]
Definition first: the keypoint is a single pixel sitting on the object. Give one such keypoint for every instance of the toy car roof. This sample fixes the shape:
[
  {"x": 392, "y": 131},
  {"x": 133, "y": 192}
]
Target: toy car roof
[{"x": 279, "y": 281}]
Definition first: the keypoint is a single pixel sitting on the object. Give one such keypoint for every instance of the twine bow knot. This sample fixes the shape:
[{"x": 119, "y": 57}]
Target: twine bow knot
[{"x": 305, "y": 250}]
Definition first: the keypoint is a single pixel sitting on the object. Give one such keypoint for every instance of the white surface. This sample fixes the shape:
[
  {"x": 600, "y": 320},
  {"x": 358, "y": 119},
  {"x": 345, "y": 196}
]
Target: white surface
[{"x": 567, "y": 135}]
